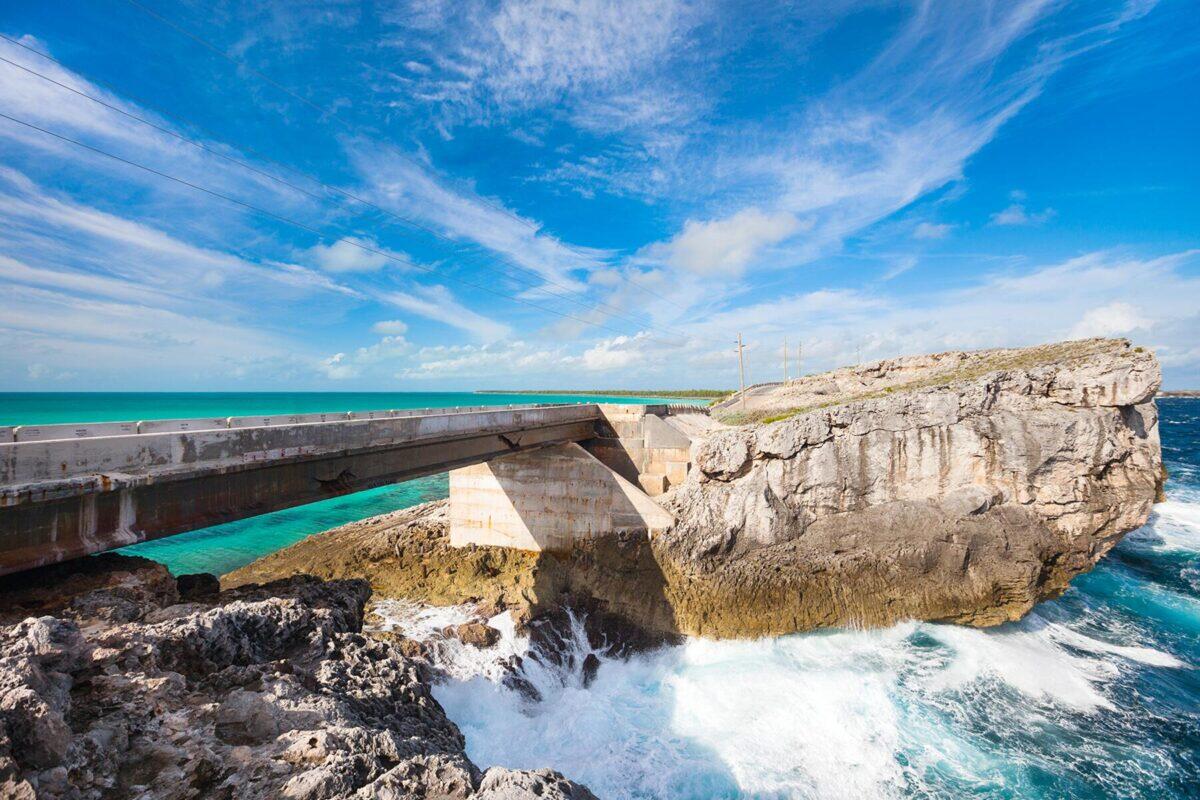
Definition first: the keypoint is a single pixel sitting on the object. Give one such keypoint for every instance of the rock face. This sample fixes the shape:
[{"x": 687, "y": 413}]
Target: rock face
[
  {"x": 963, "y": 487},
  {"x": 261, "y": 692}
]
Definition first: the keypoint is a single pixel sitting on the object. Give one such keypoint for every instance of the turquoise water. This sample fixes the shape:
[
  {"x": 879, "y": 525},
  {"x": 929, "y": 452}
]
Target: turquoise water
[{"x": 222, "y": 548}]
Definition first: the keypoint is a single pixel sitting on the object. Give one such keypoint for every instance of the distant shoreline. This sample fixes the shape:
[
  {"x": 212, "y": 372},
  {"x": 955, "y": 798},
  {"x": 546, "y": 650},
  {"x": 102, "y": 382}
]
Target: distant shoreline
[
  {"x": 1180, "y": 393},
  {"x": 682, "y": 394}
]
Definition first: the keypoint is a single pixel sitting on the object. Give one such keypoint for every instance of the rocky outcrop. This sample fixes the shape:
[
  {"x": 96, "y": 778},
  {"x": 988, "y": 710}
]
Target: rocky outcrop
[
  {"x": 116, "y": 689},
  {"x": 963, "y": 487}
]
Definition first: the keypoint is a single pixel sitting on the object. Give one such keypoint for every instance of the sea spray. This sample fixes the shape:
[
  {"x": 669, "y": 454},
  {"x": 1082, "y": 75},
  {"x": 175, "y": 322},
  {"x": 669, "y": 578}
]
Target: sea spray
[{"x": 1081, "y": 698}]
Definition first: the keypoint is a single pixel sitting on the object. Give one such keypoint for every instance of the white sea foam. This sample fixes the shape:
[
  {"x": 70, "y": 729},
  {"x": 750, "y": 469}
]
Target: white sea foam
[
  {"x": 845, "y": 714},
  {"x": 838, "y": 715}
]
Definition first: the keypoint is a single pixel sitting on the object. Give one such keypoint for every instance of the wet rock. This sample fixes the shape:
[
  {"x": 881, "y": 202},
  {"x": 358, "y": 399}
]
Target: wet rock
[
  {"x": 476, "y": 634},
  {"x": 591, "y": 666}
]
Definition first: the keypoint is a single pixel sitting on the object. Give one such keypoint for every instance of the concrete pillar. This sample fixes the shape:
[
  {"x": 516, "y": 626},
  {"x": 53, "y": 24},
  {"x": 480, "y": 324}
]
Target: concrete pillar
[{"x": 545, "y": 500}]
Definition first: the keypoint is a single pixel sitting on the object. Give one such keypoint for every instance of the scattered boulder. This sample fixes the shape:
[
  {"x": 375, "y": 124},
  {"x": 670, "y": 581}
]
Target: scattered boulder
[{"x": 476, "y": 634}]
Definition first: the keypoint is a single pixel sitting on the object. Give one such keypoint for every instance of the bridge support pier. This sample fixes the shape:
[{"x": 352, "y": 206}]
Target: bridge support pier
[{"x": 546, "y": 499}]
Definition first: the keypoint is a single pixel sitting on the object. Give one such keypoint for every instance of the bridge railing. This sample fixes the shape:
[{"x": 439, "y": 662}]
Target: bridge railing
[
  {"x": 87, "y": 430},
  {"x": 123, "y": 455}
]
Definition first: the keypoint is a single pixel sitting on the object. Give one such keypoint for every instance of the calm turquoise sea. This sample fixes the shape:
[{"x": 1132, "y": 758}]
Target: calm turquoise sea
[{"x": 222, "y": 548}]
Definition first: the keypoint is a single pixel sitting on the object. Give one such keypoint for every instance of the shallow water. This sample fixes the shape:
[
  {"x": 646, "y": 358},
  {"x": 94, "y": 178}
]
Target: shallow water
[{"x": 1094, "y": 695}]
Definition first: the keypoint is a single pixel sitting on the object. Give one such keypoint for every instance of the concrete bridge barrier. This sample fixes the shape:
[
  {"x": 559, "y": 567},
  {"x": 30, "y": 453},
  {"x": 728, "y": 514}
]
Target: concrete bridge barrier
[{"x": 71, "y": 490}]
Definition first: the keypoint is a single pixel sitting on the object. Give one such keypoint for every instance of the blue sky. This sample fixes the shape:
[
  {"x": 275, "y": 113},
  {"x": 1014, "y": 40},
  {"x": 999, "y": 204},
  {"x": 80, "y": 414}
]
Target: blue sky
[{"x": 457, "y": 195}]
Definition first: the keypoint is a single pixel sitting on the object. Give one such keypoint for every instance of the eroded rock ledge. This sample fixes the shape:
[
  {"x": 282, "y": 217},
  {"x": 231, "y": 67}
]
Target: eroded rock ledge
[
  {"x": 962, "y": 487},
  {"x": 113, "y": 685}
]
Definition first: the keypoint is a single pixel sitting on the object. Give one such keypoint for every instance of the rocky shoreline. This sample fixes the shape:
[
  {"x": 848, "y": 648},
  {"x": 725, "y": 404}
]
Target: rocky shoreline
[{"x": 117, "y": 680}]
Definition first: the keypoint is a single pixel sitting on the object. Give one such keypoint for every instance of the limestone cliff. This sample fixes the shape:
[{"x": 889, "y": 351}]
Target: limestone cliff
[
  {"x": 961, "y": 486},
  {"x": 112, "y": 684}
]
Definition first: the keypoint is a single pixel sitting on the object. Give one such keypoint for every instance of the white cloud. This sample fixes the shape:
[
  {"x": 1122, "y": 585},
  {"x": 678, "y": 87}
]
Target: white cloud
[
  {"x": 438, "y": 304},
  {"x": 932, "y": 230},
  {"x": 412, "y": 190},
  {"x": 337, "y": 368},
  {"x": 387, "y": 350},
  {"x": 901, "y": 266},
  {"x": 349, "y": 255},
  {"x": 497, "y": 359},
  {"x": 902, "y": 127},
  {"x": 390, "y": 327},
  {"x": 725, "y": 247},
  {"x": 616, "y": 353},
  {"x": 1017, "y": 214},
  {"x": 491, "y": 61},
  {"x": 1114, "y": 319}
]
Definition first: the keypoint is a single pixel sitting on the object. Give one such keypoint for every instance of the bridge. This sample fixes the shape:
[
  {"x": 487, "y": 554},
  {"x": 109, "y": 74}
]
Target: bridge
[{"x": 534, "y": 477}]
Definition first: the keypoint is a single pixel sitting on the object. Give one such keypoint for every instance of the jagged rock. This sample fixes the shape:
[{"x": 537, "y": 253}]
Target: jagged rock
[
  {"x": 267, "y": 692},
  {"x": 960, "y": 486},
  {"x": 591, "y": 668}
]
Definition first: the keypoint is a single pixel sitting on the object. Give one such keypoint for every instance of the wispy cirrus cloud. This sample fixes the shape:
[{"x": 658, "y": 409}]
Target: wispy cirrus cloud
[
  {"x": 438, "y": 304},
  {"x": 905, "y": 125}
]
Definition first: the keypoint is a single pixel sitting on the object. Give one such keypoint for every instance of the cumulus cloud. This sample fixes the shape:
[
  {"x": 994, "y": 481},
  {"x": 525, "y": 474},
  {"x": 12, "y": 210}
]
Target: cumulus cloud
[
  {"x": 390, "y": 327},
  {"x": 1114, "y": 319},
  {"x": 613, "y": 353},
  {"x": 725, "y": 247},
  {"x": 337, "y": 368},
  {"x": 348, "y": 255}
]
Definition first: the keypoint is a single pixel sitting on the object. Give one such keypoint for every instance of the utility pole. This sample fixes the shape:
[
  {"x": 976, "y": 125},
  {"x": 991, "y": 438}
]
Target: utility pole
[
  {"x": 785, "y": 372},
  {"x": 741, "y": 371},
  {"x": 800, "y": 359}
]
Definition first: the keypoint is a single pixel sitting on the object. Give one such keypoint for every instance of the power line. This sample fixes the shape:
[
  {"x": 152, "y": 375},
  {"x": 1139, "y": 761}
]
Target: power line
[
  {"x": 294, "y": 223},
  {"x": 617, "y": 313},
  {"x": 330, "y": 114}
]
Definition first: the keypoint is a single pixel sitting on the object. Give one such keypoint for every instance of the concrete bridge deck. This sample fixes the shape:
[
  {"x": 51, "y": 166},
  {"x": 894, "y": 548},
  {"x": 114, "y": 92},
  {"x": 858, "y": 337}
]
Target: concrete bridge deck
[{"x": 72, "y": 490}]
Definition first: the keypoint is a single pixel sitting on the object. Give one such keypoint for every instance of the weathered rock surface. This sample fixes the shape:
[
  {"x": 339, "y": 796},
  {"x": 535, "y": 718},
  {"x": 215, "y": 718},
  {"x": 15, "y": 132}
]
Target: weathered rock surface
[
  {"x": 963, "y": 487},
  {"x": 262, "y": 692}
]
